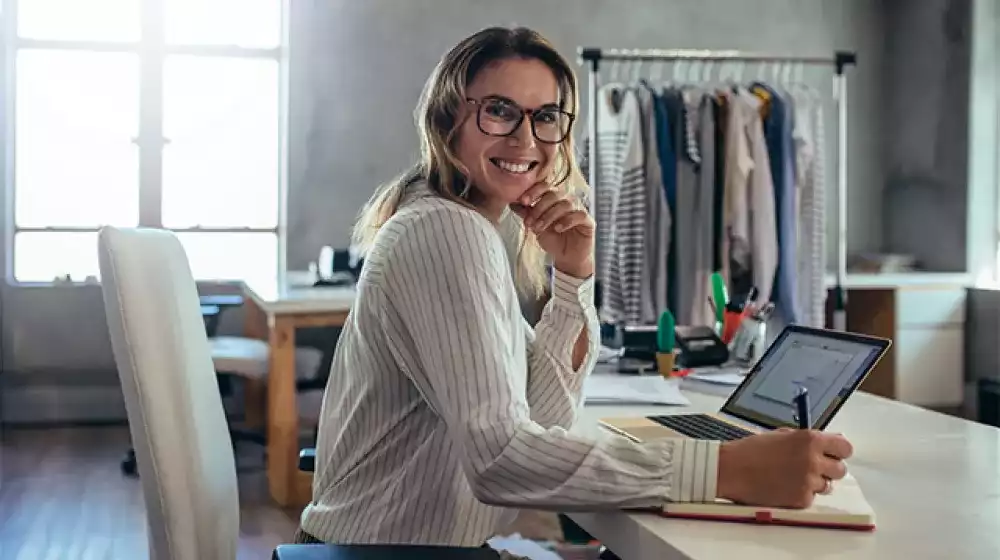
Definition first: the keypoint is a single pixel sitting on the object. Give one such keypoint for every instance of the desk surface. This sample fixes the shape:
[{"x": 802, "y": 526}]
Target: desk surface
[
  {"x": 933, "y": 480},
  {"x": 290, "y": 296}
]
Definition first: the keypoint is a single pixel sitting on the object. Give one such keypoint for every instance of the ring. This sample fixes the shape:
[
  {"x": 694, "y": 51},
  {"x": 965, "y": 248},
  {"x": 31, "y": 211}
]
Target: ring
[{"x": 827, "y": 486}]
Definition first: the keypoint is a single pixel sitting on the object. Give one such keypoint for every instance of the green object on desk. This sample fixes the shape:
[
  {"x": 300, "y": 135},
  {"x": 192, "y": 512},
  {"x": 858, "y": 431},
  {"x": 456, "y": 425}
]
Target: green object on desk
[
  {"x": 719, "y": 296},
  {"x": 665, "y": 332}
]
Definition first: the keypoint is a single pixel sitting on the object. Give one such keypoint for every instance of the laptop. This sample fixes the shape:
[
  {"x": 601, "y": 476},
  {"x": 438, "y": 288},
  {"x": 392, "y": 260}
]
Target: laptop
[{"x": 831, "y": 365}]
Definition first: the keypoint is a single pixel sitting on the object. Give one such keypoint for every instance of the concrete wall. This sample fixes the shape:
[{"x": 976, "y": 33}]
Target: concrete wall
[
  {"x": 356, "y": 90},
  {"x": 357, "y": 69},
  {"x": 925, "y": 136}
]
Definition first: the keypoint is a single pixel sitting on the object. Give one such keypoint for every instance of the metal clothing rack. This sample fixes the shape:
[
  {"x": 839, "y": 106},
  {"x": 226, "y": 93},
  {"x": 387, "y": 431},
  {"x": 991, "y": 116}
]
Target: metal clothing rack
[{"x": 839, "y": 60}]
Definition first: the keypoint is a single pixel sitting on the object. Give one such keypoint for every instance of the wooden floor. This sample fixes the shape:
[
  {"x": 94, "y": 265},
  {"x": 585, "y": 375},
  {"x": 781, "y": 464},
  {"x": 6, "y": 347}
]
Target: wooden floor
[{"x": 63, "y": 497}]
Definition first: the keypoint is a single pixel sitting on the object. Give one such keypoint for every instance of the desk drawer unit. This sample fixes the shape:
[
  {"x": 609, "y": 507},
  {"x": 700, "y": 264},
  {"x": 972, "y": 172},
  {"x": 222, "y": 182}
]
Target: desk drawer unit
[
  {"x": 929, "y": 345},
  {"x": 930, "y": 307}
]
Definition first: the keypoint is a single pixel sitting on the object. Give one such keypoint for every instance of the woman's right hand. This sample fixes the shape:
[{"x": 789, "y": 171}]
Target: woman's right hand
[{"x": 784, "y": 468}]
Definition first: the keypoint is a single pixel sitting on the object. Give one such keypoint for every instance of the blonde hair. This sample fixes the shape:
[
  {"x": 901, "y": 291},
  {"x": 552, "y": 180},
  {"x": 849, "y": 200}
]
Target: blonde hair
[{"x": 438, "y": 120}]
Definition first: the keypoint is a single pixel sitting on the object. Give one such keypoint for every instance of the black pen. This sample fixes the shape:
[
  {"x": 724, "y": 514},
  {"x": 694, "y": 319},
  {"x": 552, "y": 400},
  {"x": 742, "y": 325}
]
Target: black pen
[{"x": 802, "y": 408}]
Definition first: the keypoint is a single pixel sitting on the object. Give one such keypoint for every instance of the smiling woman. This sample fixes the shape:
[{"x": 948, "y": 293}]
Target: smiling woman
[
  {"x": 444, "y": 407},
  {"x": 494, "y": 119}
]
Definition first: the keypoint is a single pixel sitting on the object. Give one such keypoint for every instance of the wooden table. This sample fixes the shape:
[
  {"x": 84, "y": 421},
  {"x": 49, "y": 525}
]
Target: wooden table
[
  {"x": 273, "y": 312},
  {"x": 933, "y": 480}
]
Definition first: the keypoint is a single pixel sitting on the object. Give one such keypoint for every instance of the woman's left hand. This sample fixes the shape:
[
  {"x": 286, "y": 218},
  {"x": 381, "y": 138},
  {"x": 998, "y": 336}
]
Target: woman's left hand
[{"x": 565, "y": 230}]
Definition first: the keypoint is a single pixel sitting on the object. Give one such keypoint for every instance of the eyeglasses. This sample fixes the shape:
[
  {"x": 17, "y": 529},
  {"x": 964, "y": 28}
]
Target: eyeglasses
[{"x": 498, "y": 116}]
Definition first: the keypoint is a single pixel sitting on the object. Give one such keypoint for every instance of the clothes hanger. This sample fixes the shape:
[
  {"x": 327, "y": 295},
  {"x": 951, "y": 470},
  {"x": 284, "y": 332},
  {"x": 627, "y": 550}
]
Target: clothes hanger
[
  {"x": 637, "y": 74},
  {"x": 656, "y": 75},
  {"x": 762, "y": 93},
  {"x": 613, "y": 88}
]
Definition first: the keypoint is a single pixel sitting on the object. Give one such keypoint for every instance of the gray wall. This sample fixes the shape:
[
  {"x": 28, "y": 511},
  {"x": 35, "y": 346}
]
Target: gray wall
[
  {"x": 357, "y": 69},
  {"x": 925, "y": 95},
  {"x": 356, "y": 109}
]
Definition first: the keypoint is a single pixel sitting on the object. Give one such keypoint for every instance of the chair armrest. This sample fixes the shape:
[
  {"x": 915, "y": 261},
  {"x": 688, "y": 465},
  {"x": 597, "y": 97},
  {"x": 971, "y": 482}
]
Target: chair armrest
[
  {"x": 210, "y": 310},
  {"x": 210, "y": 315},
  {"x": 307, "y": 459},
  {"x": 222, "y": 300}
]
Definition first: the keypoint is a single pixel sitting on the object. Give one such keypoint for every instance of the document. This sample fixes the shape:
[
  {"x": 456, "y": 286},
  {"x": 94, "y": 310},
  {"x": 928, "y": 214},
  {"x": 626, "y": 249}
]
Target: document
[
  {"x": 724, "y": 375},
  {"x": 608, "y": 388}
]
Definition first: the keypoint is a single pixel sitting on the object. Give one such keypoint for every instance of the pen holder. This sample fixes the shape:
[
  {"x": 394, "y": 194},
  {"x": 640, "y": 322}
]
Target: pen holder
[
  {"x": 749, "y": 342},
  {"x": 665, "y": 363}
]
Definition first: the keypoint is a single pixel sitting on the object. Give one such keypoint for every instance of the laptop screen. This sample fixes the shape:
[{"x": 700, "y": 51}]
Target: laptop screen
[{"x": 830, "y": 364}]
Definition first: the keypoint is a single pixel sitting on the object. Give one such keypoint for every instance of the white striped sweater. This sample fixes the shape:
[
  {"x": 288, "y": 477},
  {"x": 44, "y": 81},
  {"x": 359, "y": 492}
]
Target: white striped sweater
[
  {"x": 443, "y": 405},
  {"x": 620, "y": 209}
]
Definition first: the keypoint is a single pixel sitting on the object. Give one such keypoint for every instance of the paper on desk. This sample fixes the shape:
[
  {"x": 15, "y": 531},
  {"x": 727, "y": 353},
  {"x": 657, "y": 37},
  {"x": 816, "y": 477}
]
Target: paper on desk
[
  {"x": 519, "y": 547},
  {"x": 604, "y": 388},
  {"x": 719, "y": 375},
  {"x": 607, "y": 355}
]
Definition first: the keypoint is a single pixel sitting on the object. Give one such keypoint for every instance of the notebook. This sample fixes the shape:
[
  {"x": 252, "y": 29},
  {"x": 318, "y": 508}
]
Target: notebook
[{"x": 844, "y": 508}]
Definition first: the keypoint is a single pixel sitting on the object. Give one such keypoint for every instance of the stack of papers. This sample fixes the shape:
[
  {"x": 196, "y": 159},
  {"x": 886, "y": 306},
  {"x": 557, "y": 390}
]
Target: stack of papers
[
  {"x": 604, "y": 388},
  {"x": 731, "y": 376}
]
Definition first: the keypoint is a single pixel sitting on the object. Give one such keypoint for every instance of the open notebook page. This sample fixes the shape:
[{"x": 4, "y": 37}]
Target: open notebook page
[{"x": 845, "y": 506}]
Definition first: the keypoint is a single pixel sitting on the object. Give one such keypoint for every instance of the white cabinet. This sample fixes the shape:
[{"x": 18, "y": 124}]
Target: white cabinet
[
  {"x": 929, "y": 366},
  {"x": 930, "y": 340},
  {"x": 926, "y": 323}
]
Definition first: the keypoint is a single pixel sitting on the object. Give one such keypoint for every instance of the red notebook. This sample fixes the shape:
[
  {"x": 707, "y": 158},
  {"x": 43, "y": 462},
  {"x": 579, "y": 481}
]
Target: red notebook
[{"x": 844, "y": 508}]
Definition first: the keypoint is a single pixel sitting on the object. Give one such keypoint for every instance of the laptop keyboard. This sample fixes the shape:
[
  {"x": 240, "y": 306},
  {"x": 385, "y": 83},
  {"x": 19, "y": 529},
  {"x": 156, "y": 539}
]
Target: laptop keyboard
[{"x": 702, "y": 426}]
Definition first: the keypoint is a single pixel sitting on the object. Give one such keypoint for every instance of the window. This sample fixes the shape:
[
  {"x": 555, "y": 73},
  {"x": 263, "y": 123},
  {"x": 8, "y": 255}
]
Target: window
[{"x": 157, "y": 113}]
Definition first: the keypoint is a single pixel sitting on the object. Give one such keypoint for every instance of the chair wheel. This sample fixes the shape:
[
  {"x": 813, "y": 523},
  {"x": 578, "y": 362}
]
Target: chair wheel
[{"x": 129, "y": 467}]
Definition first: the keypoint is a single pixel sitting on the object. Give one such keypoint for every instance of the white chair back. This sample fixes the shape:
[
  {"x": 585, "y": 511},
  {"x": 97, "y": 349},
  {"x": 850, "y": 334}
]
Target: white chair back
[{"x": 175, "y": 412}]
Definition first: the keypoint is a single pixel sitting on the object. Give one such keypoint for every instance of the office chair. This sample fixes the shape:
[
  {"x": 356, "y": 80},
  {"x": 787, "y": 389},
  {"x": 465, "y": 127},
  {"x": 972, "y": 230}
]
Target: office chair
[
  {"x": 175, "y": 413},
  {"x": 236, "y": 358}
]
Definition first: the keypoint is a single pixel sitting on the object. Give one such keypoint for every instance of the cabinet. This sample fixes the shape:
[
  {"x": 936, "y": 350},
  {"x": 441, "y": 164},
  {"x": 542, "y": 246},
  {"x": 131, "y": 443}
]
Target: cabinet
[{"x": 926, "y": 321}]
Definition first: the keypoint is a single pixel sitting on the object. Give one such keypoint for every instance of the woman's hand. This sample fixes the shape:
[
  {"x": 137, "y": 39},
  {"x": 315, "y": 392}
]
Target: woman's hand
[
  {"x": 784, "y": 468},
  {"x": 565, "y": 230}
]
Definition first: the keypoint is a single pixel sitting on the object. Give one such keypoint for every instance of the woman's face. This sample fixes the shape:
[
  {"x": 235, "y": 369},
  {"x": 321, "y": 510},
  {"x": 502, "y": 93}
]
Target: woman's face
[{"x": 503, "y": 167}]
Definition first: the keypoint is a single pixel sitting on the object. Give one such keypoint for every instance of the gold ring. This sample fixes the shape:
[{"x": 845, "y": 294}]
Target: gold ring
[{"x": 827, "y": 487}]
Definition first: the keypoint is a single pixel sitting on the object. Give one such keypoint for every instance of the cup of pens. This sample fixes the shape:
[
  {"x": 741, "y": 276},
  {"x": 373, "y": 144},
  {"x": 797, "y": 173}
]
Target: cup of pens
[{"x": 750, "y": 339}]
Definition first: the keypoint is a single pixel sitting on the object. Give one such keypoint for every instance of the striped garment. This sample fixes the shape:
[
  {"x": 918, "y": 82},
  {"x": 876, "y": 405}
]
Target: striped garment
[
  {"x": 620, "y": 209},
  {"x": 810, "y": 152},
  {"x": 443, "y": 405}
]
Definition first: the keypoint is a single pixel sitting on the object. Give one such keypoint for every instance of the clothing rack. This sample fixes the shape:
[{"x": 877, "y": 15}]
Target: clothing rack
[{"x": 839, "y": 60}]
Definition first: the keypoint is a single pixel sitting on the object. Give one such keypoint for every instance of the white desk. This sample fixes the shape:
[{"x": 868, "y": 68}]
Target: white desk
[
  {"x": 273, "y": 312},
  {"x": 933, "y": 480},
  {"x": 290, "y": 296}
]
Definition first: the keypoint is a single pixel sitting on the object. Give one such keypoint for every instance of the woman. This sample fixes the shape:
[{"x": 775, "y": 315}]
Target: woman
[{"x": 443, "y": 405}]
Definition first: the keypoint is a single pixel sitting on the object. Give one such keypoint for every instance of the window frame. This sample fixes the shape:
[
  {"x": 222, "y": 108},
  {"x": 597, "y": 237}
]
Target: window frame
[{"x": 152, "y": 51}]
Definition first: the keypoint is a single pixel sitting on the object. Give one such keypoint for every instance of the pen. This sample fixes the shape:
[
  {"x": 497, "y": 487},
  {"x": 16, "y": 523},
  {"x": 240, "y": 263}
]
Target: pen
[
  {"x": 751, "y": 294},
  {"x": 764, "y": 312},
  {"x": 802, "y": 408}
]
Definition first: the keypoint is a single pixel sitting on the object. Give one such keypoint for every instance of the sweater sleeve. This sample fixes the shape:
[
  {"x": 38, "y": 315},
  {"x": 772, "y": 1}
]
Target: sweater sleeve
[
  {"x": 554, "y": 387},
  {"x": 447, "y": 289}
]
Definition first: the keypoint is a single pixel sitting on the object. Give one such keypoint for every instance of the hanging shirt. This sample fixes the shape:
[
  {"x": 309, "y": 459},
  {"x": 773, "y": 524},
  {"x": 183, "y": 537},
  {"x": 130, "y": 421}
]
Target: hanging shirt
[
  {"x": 718, "y": 224},
  {"x": 749, "y": 211},
  {"x": 658, "y": 217},
  {"x": 695, "y": 194},
  {"x": 808, "y": 133},
  {"x": 704, "y": 253},
  {"x": 673, "y": 130},
  {"x": 778, "y": 135},
  {"x": 668, "y": 173},
  {"x": 619, "y": 204}
]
